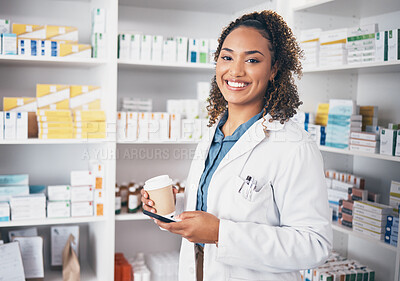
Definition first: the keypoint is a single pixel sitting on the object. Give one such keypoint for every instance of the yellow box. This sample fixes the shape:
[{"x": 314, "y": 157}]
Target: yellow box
[
  {"x": 56, "y": 136},
  {"x": 55, "y": 119},
  {"x": 75, "y": 50},
  {"x": 53, "y": 113},
  {"x": 61, "y": 105},
  {"x": 89, "y": 115},
  {"x": 94, "y": 105},
  {"x": 55, "y": 131},
  {"x": 29, "y": 30},
  {"x": 47, "y": 94},
  {"x": 44, "y": 125},
  {"x": 323, "y": 108},
  {"x": 91, "y": 136},
  {"x": 84, "y": 95},
  {"x": 21, "y": 104},
  {"x": 53, "y": 32},
  {"x": 89, "y": 127}
]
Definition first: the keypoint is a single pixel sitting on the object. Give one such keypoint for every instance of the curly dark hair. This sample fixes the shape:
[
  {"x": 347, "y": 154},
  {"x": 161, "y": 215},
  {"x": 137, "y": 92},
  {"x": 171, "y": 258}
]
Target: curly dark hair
[{"x": 281, "y": 98}]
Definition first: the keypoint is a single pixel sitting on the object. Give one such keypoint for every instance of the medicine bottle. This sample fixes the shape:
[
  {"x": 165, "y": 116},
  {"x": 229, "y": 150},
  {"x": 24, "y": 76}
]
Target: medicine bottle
[
  {"x": 133, "y": 199},
  {"x": 124, "y": 194},
  {"x": 182, "y": 187},
  {"x": 117, "y": 201}
]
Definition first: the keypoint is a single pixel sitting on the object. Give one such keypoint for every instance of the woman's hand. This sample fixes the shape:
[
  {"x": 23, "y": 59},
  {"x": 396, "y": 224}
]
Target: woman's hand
[
  {"x": 149, "y": 204},
  {"x": 197, "y": 227}
]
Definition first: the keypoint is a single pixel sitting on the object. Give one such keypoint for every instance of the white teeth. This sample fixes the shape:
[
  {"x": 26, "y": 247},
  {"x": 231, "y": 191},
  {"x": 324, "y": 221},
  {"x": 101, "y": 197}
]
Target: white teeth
[{"x": 236, "y": 84}]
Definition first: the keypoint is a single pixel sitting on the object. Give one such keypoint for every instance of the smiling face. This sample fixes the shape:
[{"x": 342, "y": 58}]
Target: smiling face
[{"x": 244, "y": 68}]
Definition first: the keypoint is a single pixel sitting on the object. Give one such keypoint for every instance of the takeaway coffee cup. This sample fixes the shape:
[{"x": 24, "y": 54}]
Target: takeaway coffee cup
[{"x": 160, "y": 192}]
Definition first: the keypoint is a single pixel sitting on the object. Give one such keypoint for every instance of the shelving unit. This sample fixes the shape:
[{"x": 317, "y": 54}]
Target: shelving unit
[
  {"x": 368, "y": 84},
  {"x": 124, "y": 160}
]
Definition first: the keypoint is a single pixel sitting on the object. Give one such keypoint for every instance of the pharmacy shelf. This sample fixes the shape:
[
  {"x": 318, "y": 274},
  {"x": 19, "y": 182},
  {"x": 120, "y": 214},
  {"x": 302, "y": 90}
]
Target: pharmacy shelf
[
  {"x": 345, "y": 8},
  {"x": 127, "y": 64},
  {"x": 55, "y": 141},
  {"x": 157, "y": 142},
  {"x": 358, "y": 153},
  {"x": 381, "y": 67},
  {"x": 208, "y": 6},
  {"x": 50, "y": 61},
  {"x": 349, "y": 231},
  {"x": 131, "y": 217},
  {"x": 86, "y": 274},
  {"x": 48, "y": 221}
]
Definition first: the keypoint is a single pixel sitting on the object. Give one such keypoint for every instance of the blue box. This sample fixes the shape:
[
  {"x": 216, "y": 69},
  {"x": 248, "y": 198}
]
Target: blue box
[{"x": 14, "y": 180}]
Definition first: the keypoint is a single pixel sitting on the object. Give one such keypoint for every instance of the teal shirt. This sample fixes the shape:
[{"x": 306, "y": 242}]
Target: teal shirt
[{"x": 220, "y": 146}]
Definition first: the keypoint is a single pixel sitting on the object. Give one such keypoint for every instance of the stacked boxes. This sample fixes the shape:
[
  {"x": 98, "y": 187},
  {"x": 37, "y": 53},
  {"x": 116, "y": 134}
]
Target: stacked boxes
[
  {"x": 156, "y": 48},
  {"x": 136, "y": 104},
  {"x": 345, "y": 217},
  {"x": 392, "y": 230},
  {"x": 388, "y": 142},
  {"x": 13, "y": 185},
  {"x": 90, "y": 124},
  {"x": 369, "y": 116},
  {"x": 365, "y": 142},
  {"x": 340, "y": 123},
  {"x": 52, "y": 97},
  {"x": 309, "y": 42},
  {"x": 322, "y": 114},
  {"x": 55, "y": 124},
  {"x": 333, "y": 51},
  {"x": 98, "y": 33},
  {"x": 85, "y": 97},
  {"x": 8, "y": 44},
  {"x": 59, "y": 201},
  {"x": 14, "y": 125},
  {"x": 98, "y": 172},
  {"x": 393, "y": 42},
  {"x": 4, "y": 211},
  {"x": 361, "y": 44},
  {"x": 26, "y": 207},
  {"x": 394, "y": 199},
  {"x": 370, "y": 218},
  {"x": 338, "y": 268},
  {"x": 82, "y": 193}
]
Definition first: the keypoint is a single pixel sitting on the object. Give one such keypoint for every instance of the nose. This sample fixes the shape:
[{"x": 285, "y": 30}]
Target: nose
[{"x": 236, "y": 68}]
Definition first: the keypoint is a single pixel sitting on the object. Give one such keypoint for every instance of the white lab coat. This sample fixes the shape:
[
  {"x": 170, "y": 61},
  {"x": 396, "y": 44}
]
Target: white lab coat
[{"x": 284, "y": 228}]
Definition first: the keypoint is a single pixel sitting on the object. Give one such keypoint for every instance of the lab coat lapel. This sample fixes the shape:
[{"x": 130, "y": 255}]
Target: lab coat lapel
[{"x": 253, "y": 136}]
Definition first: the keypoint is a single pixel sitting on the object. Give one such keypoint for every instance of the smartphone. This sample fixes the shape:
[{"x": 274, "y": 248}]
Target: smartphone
[{"x": 160, "y": 218}]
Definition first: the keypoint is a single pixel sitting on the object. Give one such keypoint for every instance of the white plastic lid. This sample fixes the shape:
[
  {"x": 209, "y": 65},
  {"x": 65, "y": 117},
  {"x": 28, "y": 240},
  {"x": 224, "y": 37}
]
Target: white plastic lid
[
  {"x": 132, "y": 189},
  {"x": 157, "y": 182}
]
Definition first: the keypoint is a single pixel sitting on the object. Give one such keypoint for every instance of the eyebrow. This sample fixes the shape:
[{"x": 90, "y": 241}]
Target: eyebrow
[{"x": 247, "y": 52}]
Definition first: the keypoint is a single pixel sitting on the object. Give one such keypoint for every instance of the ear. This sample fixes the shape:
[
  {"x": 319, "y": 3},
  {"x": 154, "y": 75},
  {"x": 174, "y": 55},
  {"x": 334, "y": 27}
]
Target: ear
[{"x": 274, "y": 71}]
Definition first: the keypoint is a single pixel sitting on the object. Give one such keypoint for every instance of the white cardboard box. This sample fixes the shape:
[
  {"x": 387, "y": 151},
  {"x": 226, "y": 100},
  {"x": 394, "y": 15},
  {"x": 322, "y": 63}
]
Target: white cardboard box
[
  {"x": 9, "y": 44},
  {"x": 175, "y": 127},
  {"x": 193, "y": 50},
  {"x": 1, "y": 125},
  {"x": 121, "y": 125},
  {"x": 10, "y": 125},
  {"x": 132, "y": 126},
  {"x": 145, "y": 51},
  {"x": 170, "y": 50},
  {"x": 388, "y": 142},
  {"x": 22, "y": 125},
  {"x": 182, "y": 49},
  {"x": 82, "y": 178},
  {"x": 82, "y": 193},
  {"x": 58, "y": 209},
  {"x": 82, "y": 209},
  {"x": 135, "y": 45},
  {"x": 393, "y": 43},
  {"x": 143, "y": 127},
  {"x": 397, "y": 152},
  {"x": 59, "y": 192},
  {"x": 4, "y": 211},
  {"x": 157, "y": 48},
  {"x": 4, "y": 26}
]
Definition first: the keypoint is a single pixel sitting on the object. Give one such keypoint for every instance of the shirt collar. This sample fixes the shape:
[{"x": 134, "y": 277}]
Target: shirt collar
[{"x": 219, "y": 136}]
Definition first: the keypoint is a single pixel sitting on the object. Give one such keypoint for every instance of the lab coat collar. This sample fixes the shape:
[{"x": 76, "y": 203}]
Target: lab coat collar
[{"x": 251, "y": 138}]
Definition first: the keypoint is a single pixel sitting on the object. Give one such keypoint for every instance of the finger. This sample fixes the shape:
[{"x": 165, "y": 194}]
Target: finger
[
  {"x": 149, "y": 209},
  {"x": 144, "y": 194},
  {"x": 175, "y": 190},
  {"x": 174, "y": 227},
  {"x": 188, "y": 215},
  {"x": 147, "y": 202}
]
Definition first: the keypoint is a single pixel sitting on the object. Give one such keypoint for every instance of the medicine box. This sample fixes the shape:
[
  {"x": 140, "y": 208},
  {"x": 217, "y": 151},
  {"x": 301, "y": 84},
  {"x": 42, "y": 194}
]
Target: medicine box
[
  {"x": 375, "y": 222},
  {"x": 98, "y": 45},
  {"x": 135, "y": 46},
  {"x": 4, "y": 26},
  {"x": 372, "y": 234},
  {"x": 9, "y": 180},
  {"x": 82, "y": 178},
  {"x": 21, "y": 104},
  {"x": 82, "y": 209},
  {"x": 145, "y": 51},
  {"x": 99, "y": 201},
  {"x": 175, "y": 126},
  {"x": 182, "y": 49},
  {"x": 193, "y": 49},
  {"x": 47, "y": 94},
  {"x": 10, "y": 125},
  {"x": 203, "y": 51},
  {"x": 1, "y": 125},
  {"x": 22, "y": 125},
  {"x": 371, "y": 215},
  {"x": 58, "y": 209},
  {"x": 98, "y": 20},
  {"x": 371, "y": 227},
  {"x": 59, "y": 192},
  {"x": 89, "y": 115},
  {"x": 132, "y": 126},
  {"x": 8, "y": 44},
  {"x": 4, "y": 211},
  {"x": 97, "y": 169},
  {"x": 24, "y": 47},
  {"x": 397, "y": 152},
  {"x": 75, "y": 50},
  {"x": 169, "y": 50},
  {"x": 393, "y": 45},
  {"x": 143, "y": 126},
  {"x": 121, "y": 125},
  {"x": 123, "y": 46},
  {"x": 157, "y": 47},
  {"x": 373, "y": 207},
  {"x": 82, "y": 193},
  {"x": 388, "y": 142},
  {"x": 31, "y": 206},
  {"x": 7, "y": 191},
  {"x": 81, "y": 95}
]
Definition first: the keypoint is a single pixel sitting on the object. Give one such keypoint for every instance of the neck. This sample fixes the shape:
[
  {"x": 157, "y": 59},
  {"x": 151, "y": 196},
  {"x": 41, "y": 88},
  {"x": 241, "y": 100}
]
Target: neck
[{"x": 239, "y": 115}]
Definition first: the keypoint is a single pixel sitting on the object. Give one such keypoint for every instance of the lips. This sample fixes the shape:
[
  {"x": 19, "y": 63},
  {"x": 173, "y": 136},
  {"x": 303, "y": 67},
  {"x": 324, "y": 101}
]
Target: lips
[{"x": 236, "y": 85}]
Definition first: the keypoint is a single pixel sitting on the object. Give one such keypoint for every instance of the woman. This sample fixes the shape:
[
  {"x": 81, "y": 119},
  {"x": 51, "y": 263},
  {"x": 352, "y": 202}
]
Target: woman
[{"x": 256, "y": 200}]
